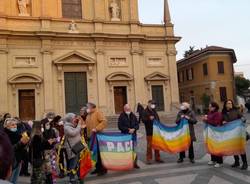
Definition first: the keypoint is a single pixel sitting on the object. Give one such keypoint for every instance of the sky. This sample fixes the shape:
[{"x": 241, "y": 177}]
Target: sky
[{"x": 223, "y": 23}]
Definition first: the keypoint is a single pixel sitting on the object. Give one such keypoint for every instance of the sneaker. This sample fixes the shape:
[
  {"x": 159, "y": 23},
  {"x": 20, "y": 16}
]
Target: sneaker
[
  {"x": 136, "y": 166},
  {"x": 217, "y": 165},
  {"x": 102, "y": 173},
  {"x": 211, "y": 163},
  {"x": 94, "y": 172}
]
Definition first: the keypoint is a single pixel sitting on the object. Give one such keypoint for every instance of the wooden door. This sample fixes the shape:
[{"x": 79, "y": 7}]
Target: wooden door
[
  {"x": 158, "y": 97},
  {"x": 26, "y": 104},
  {"x": 75, "y": 91},
  {"x": 120, "y": 98}
]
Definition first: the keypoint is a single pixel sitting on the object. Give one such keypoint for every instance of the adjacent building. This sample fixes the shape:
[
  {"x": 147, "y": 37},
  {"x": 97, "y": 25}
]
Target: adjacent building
[
  {"x": 56, "y": 55},
  {"x": 207, "y": 75}
]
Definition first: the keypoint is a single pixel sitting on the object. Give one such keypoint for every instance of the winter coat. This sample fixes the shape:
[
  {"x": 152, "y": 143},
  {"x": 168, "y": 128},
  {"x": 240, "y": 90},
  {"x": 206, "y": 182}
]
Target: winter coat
[
  {"x": 37, "y": 147},
  {"x": 72, "y": 137},
  {"x": 95, "y": 120},
  {"x": 231, "y": 115},
  {"x": 126, "y": 122},
  {"x": 147, "y": 122},
  {"x": 192, "y": 121},
  {"x": 214, "y": 118},
  {"x": 18, "y": 146}
]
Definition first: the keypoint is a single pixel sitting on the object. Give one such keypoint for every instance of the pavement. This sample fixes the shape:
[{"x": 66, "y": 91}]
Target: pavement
[{"x": 172, "y": 173}]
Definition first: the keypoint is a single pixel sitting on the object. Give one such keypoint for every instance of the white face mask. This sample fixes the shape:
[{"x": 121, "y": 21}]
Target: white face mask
[
  {"x": 50, "y": 120},
  {"x": 42, "y": 129},
  {"x": 153, "y": 106},
  {"x": 47, "y": 127},
  {"x": 60, "y": 123},
  {"x": 88, "y": 111},
  {"x": 183, "y": 108},
  {"x": 128, "y": 112}
]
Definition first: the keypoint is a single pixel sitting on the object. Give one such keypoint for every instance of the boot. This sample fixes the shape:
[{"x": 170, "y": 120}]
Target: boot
[
  {"x": 244, "y": 166},
  {"x": 235, "y": 165}
]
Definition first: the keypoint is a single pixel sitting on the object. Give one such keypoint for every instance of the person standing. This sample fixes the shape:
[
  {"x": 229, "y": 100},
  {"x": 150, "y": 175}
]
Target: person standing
[
  {"x": 72, "y": 131},
  {"x": 128, "y": 124},
  {"x": 188, "y": 114},
  {"x": 5, "y": 116},
  {"x": 19, "y": 143},
  {"x": 149, "y": 116},
  {"x": 6, "y": 157},
  {"x": 231, "y": 113},
  {"x": 96, "y": 122},
  {"x": 214, "y": 118}
]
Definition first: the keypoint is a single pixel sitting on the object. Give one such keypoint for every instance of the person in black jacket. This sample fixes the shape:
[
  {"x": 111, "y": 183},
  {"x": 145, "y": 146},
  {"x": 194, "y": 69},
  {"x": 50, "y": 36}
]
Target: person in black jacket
[
  {"x": 128, "y": 124},
  {"x": 37, "y": 147},
  {"x": 148, "y": 118},
  {"x": 18, "y": 142},
  {"x": 231, "y": 113},
  {"x": 187, "y": 113}
]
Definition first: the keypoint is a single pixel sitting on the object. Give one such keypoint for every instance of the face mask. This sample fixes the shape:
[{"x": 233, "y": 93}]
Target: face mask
[
  {"x": 13, "y": 129},
  {"x": 50, "y": 120},
  {"x": 153, "y": 106},
  {"x": 88, "y": 111},
  {"x": 183, "y": 108},
  {"x": 47, "y": 127},
  {"x": 42, "y": 129},
  {"x": 127, "y": 112}
]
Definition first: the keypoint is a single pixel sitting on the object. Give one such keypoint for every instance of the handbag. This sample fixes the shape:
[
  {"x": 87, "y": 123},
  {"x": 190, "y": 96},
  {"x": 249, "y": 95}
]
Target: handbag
[{"x": 77, "y": 148}]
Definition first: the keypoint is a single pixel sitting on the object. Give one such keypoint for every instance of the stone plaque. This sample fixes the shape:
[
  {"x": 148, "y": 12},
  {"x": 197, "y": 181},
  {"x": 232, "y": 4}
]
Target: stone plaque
[
  {"x": 154, "y": 61},
  {"x": 118, "y": 61},
  {"x": 25, "y": 61}
]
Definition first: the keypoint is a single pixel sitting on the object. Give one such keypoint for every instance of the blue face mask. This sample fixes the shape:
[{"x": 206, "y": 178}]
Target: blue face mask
[{"x": 13, "y": 129}]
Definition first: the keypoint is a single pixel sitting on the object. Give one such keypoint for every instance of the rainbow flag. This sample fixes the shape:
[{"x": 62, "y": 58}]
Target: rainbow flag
[
  {"x": 227, "y": 140},
  {"x": 171, "y": 139},
  {"x": 117, "y": 151}
]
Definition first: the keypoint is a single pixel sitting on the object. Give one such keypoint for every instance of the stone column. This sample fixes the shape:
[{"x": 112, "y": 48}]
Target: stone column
[
  {"x": 3, "y": 78},
  {"x": 101, "y": 77},
  {"x": 47, "y": 76},
  {"x": 172, "y": 65},
  {"x": 136, "y": 53}
]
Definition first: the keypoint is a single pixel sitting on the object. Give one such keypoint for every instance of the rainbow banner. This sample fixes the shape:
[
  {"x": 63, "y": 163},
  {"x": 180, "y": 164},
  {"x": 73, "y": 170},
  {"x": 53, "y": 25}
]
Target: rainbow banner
[
  {"x": 171, "y": 139},
  {"x": 227, "y": 140},
  {"x": 117, "y": 151}
]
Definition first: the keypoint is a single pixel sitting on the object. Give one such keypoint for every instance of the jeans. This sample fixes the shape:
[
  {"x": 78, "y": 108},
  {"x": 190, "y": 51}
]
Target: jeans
[
  {"x": 15, "y": 174},
  {"x": 72, "y": 164},
  {"x": 190, "y": 152}
]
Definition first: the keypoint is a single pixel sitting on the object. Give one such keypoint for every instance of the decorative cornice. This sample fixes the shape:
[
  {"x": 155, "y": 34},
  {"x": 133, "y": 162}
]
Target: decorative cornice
[
  {"x": 99, "y": 51},
  {"x": 4, "y": 51}
]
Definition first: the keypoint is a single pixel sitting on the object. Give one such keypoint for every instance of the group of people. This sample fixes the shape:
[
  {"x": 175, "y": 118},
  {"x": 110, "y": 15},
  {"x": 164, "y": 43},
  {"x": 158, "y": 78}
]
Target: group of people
[{"x": 37, "y": 143}]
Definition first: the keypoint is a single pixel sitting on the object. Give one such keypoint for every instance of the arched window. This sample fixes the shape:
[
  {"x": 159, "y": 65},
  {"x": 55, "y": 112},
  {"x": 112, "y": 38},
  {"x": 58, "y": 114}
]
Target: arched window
[{"x": 72, "y": 9}]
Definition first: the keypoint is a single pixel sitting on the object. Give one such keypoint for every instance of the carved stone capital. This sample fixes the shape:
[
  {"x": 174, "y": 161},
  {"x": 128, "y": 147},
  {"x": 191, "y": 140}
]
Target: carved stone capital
[
  {"x": 99, "y": 51},
  {"x": 136, "y": 52},
  {"x": 46, "y": 51},
  {"x": 171, "y": 52}
]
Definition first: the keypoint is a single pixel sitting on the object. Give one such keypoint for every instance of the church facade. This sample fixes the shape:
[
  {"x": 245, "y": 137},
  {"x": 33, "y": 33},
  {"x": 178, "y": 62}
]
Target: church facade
[{"x": 56, "y": 55}]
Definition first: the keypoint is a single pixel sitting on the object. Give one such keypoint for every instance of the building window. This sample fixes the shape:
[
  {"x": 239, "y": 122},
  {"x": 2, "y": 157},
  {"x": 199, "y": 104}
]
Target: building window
[
  {"x": 220, "y": 67},
  {"x": 223, "y": 94},
  {"x": 180, "y": 77},
  {"x": 205, "y": 69},
  {"x": 190, "y": 74},
  {"x": 72, "y": 9}
]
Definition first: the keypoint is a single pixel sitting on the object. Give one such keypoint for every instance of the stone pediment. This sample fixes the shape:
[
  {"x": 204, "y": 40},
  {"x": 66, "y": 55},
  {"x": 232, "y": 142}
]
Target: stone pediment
[
  {"x": 157, "y": 76},
  {"x": 119, "y": 76},
  {"x": 25, "y": 79},
  {"x": 74, "y": 58}
]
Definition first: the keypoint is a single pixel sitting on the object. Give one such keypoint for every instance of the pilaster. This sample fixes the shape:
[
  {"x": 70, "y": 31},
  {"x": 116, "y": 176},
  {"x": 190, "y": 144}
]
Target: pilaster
[
  {"x": 47, "y": 75},
  {"x": 136, "y": 53},
  {"x": 3, "y": 76},
  {"x": 101, "y": 78}
]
